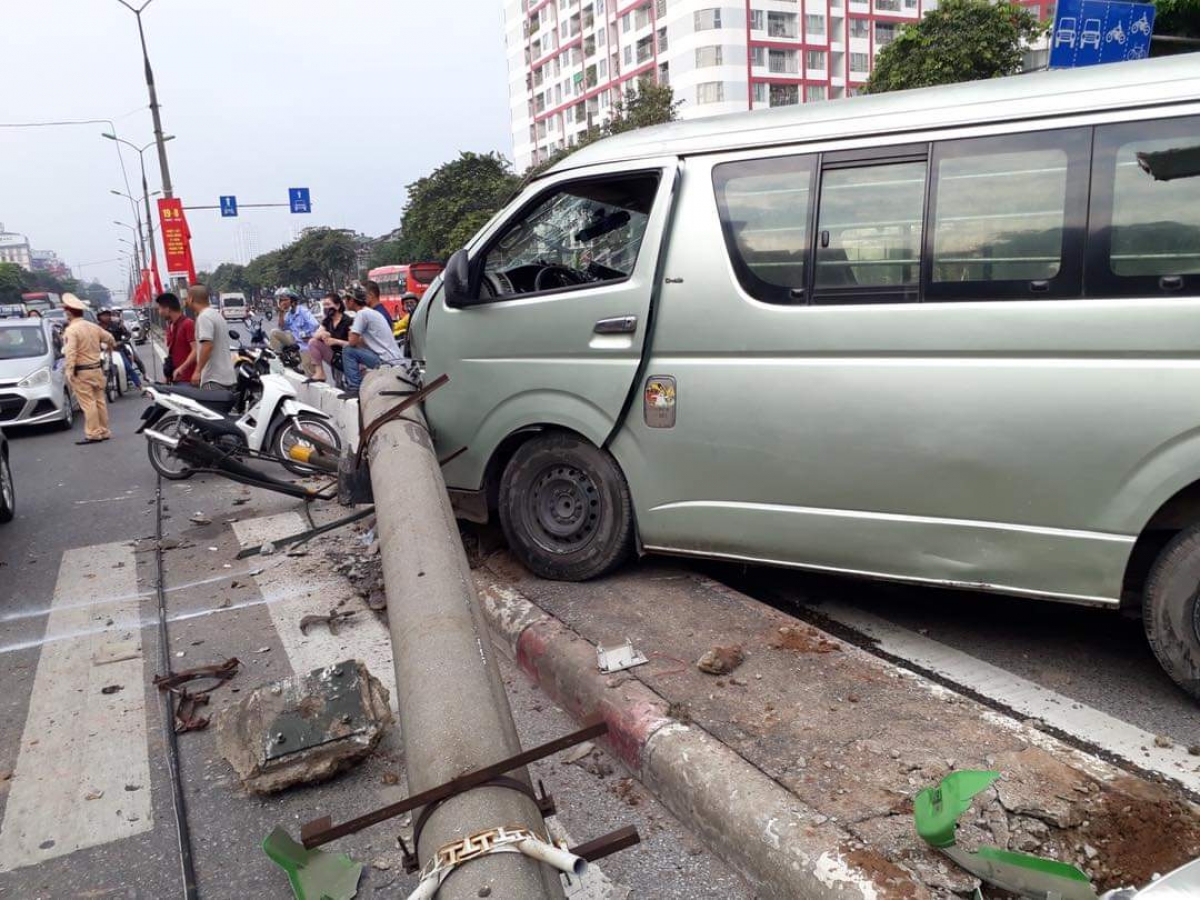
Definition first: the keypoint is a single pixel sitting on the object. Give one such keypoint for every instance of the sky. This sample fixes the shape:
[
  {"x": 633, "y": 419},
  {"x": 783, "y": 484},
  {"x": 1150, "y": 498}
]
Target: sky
[{"x": 353, "y": 99}]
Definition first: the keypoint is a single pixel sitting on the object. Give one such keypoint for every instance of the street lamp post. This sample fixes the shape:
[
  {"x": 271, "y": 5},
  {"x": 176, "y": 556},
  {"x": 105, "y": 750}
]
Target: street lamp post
[
  {"x": 137, "y": 257},
  {"x": 133, "y": 202},
  {"x": 161, "y": 141},
  {"x": 141, "y": 152}
]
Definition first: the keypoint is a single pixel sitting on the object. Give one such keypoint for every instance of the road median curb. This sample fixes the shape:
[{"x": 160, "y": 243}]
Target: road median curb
[{"x": 780, "y": 845}]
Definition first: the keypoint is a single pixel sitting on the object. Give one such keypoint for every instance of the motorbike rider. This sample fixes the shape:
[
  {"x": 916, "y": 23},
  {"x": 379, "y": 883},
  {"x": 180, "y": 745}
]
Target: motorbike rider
[
  {"x": 114, "y": 326},
  {"x": 296, "y": 326}
]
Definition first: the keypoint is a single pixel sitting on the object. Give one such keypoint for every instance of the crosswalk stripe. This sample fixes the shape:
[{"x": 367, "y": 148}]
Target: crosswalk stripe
[
  {"x": 82, "y": 776},
  {"x": 363, "y": 637}
]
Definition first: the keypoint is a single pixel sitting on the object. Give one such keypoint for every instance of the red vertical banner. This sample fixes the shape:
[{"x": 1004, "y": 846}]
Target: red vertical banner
[{"x": 177, "y": 239}]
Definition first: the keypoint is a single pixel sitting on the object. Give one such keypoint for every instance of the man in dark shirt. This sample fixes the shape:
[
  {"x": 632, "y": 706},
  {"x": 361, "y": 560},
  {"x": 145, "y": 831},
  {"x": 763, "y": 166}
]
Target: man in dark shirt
[
  {"x": 375, "y": 302},
  {"x": 181, "y": 340},
  {"x": 114, "y": 326}
]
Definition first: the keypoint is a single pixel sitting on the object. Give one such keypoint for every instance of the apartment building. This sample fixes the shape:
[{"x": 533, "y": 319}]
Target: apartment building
[
  {"x": 569, "y": 59},
  {"x": 14, "y": 248}
]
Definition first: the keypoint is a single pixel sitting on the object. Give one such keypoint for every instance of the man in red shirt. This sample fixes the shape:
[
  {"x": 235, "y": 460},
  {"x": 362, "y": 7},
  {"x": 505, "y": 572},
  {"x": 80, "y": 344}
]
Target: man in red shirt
[{"x": 181, "y": 339}]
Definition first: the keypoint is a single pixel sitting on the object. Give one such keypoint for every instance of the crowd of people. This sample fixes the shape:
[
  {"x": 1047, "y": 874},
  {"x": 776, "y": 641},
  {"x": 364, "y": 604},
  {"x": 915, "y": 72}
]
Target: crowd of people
[{"x": 355, "y": 335}]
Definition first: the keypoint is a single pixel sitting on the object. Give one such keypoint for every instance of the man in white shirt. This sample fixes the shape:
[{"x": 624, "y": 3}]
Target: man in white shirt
[{"x": 371, "y": 344}]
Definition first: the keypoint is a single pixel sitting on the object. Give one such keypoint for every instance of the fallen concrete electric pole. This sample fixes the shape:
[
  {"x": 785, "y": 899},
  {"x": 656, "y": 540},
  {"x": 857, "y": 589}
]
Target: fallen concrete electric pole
[{"x": 454, "y": 714}]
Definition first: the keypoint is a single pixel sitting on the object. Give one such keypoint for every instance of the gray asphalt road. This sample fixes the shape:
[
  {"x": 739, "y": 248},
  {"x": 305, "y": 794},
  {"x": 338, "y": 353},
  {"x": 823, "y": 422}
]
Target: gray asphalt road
[
  {"x": 1096, "y": 657},
  {"x": 63, "y": 764}
]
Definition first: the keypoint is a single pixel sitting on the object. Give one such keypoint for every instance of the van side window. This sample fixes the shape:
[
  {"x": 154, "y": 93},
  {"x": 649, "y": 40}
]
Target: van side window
[
  {"x": 578, "y": 234},
  {"x": 869, "y": 233},
  {"x": 1006, "y": 216},
  {"x": 765, "y": 206},
  {"x": 1146, "y": 208}
]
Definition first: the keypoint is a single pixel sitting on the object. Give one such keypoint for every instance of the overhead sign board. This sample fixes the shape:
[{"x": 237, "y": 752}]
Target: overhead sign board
[
  {"x": 1090, "y": 32},
  {"x": 228, "y": 206},
  {"x": 299, "y": 201}
]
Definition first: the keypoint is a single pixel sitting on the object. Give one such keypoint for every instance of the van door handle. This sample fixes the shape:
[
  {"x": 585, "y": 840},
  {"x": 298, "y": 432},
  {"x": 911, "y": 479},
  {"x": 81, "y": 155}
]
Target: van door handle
[
  {"x": 618, "y": 325},
  {"x": 1039, "y": 287},
  {"x": 1171, "y": 282}
]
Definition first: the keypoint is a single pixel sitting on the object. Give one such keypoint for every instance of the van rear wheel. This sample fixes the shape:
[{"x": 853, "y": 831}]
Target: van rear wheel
[
  {"x": 565, "y": 508},
  {"x": 1171, "y": 609}
]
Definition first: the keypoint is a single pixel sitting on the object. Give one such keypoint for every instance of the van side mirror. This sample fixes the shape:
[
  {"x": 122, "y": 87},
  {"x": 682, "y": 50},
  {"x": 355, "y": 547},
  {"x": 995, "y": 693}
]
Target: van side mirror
[{"x": 457, "y": 281}]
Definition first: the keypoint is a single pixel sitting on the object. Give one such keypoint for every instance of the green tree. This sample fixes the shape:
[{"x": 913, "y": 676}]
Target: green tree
[
  {"x": 1177, "y": 18},
  {"x": 647, "y": 104},
  {"x": 961, "y": 40},
  {"x": 97, "y": 294},
  {"x": 13, "y": 283},
  {"x": 446, "y": 207}
]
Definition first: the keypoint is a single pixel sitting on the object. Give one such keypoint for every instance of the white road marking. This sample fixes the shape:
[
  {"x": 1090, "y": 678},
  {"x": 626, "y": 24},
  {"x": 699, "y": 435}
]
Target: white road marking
[
  {"x": 1025, "y": 697},
  {"x": 362, "y": 637},
  {"x": 83, "y": 772}
]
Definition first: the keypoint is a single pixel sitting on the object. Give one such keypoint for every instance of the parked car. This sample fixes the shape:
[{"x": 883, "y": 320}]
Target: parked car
[
  {"x": 943, "y": 336},
  {"x": 33, "y": 387},
  {"x": 8, "y": 493}
]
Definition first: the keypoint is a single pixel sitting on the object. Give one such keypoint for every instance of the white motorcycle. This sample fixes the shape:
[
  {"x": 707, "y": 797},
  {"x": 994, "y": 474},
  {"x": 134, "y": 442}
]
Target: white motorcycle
[{"x": 260, "y": 419}]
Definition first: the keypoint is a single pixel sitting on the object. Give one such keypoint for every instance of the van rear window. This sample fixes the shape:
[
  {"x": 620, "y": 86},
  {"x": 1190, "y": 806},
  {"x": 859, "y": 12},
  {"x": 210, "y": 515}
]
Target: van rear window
[{"x": 765, "y": 207}]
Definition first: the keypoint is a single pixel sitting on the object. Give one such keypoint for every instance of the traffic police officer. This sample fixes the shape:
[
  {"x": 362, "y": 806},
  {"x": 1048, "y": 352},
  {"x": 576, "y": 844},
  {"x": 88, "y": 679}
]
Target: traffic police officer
[{"x": 84, "y": 345}]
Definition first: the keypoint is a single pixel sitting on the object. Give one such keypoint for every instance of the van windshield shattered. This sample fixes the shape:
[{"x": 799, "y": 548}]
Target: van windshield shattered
[{"x": 587, "y": 231}]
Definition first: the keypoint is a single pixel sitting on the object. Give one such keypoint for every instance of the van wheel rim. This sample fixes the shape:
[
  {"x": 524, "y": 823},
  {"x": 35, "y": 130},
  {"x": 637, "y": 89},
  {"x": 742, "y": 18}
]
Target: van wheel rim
[{"x": 566, "y": 506}]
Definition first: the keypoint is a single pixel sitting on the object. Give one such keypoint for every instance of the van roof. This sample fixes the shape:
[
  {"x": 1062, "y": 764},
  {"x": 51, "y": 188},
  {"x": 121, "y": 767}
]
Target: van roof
[{"x": 1061, "y": 92}]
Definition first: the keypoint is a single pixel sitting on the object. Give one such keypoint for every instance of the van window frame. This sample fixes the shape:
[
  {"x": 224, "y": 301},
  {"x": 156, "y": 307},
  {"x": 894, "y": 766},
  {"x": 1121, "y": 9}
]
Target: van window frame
[
  {"x": 1102, "y": 281},
  {"x": 1067, "y": 283},
  {"x": 868, "y": 158},
  {"x": 479, "y": 261},
  {"x": 757, "y": 287}
]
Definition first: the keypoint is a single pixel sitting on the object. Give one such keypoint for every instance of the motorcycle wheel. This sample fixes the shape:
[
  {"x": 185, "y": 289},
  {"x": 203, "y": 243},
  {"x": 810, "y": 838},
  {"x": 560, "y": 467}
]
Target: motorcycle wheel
[
  {"x": 292, "y": 431},
  {"x": 166, "y": 463},
  {"x": 112, "y": 385}
]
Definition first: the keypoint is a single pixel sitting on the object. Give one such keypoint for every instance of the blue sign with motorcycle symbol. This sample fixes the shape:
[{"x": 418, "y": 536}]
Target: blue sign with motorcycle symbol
[{"x": 1090, "y": 32}]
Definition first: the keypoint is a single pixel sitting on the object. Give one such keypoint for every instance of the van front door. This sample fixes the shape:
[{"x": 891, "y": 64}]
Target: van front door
[{"x": 563, "y": 292}]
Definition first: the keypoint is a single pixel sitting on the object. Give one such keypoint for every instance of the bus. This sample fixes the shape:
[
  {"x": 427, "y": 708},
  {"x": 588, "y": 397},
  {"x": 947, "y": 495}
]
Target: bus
[
  {"x": 40, "y": 301},
  {"x": 401, "y": 283}
]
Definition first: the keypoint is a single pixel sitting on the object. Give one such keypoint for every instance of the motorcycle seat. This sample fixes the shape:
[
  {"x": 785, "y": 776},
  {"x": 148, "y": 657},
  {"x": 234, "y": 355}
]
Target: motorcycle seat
[{"x": 221, "y": 401}]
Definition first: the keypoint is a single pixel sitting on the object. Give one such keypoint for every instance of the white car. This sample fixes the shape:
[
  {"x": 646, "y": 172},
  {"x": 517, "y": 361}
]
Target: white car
[
  {"x": 33, "y": 386},
  {"x": 131, "y": 320}
]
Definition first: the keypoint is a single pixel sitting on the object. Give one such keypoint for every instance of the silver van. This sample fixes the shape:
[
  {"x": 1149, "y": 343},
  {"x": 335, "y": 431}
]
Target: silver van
[{"x": 948, "y": 336}]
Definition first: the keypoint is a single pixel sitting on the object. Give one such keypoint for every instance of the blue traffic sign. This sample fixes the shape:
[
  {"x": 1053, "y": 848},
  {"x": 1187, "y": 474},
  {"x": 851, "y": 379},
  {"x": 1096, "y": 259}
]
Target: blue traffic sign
[
  {"x": 228, "y": 207},
  {"x": 1089, "y": 32},
  {"x": 298, "y": 199}
]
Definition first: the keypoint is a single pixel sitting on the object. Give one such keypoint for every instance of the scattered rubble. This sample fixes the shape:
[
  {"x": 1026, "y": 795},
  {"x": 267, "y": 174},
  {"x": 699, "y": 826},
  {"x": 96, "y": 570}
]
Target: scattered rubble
[
  {"x": 188, "y": 701},
  {"x": 803, "y": 638},
  {"x": 721, "y": 660},
  {"x": 332, "y": 621},
  {"x": 304, "y": 729}
]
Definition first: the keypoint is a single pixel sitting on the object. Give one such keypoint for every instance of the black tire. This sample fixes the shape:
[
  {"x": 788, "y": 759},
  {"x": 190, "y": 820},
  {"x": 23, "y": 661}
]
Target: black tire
[
  {"x": 112, "y": 384},
  {"x": 166, "y": 463},
  {"x": 1171, "y": 610},
  {"x": 8, "y": 496},
  {"x": 286, "y": 436},
  {"x": 67, "y": 422},
  {"x": 565, "y": 508}
]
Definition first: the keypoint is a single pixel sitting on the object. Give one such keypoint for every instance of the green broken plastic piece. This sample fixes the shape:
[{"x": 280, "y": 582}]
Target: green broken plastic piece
[
  {"x": 937, "y": 809},
  {"x": 314, "y": 874}
]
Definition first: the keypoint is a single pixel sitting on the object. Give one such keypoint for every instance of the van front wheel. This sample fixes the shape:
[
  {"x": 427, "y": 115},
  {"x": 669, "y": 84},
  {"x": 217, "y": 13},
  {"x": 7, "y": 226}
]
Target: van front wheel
[
  {"x": 565, "y": 508},
  {"x": 1171, "y": 610}
]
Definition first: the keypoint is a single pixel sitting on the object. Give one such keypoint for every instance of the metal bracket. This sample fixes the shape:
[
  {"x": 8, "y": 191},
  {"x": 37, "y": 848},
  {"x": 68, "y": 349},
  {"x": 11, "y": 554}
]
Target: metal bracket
[
  {"x": 305, "y": 536},
  {"x": 368, "y": 431},
  {"x": 619, "y": 658},
  {"x": 322, "y": 831}
]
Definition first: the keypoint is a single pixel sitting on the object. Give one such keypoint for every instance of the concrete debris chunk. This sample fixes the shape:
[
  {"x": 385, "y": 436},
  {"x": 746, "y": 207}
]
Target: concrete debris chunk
[
  {"x": 304, "y": 729},
  {"x": 721, "y": 660}
]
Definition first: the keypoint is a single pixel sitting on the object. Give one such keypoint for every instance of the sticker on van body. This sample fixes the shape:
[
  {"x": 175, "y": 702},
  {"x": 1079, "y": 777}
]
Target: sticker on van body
[{"x": 658, "y": 401}]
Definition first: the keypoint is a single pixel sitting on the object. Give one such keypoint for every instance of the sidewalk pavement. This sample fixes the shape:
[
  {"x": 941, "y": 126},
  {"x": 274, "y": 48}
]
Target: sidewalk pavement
[{"x": 800, "y": 767}]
